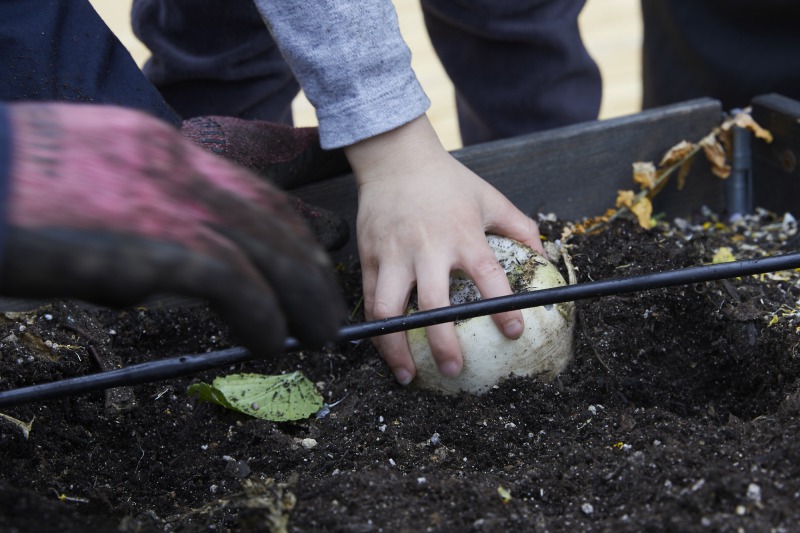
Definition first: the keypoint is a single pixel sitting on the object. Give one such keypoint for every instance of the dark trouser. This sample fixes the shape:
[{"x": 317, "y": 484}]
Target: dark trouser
[
  {"x": 212, "y": 57},
  {"x": 731, "y": 50},
  {"x": 518, "y": 65},
  {"x": 62, "y": 50}
]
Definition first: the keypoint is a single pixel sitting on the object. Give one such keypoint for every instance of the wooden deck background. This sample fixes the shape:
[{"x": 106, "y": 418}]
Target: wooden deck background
[{"x": 612, "y": 30}]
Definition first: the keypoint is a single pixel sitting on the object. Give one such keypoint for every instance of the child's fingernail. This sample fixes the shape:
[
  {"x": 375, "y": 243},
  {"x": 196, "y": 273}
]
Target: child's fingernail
[
  {"x": 451, "y": 369},
  {"x": 403, "y": 376},
  {"x": 513, "y": 329}
]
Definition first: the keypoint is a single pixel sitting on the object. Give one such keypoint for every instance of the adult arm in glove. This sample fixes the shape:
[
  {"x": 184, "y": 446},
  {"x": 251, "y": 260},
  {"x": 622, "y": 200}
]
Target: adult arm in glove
[{"x": 110, "y": 206}]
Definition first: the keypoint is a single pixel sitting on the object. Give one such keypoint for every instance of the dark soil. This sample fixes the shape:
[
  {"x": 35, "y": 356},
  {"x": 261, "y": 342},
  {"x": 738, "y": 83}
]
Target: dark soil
[{"x": 681, "y": 412}]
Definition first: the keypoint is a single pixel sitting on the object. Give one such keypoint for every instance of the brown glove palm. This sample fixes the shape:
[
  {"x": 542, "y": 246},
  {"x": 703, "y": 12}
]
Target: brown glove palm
[{"x": 288, "y": 157}]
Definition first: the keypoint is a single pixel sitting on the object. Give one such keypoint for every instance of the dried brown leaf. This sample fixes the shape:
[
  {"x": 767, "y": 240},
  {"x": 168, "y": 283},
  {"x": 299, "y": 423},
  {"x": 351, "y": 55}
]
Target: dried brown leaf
[
  {"x": 643, "y": 209},
  {"x": 644, "y": 173},
  {"x": 587, "y": 225},
  {"x": 683, "y": 172},
  {"x": 677, "y": 153},
  {"x": 625, "y": 198},
  {"x": 725, "y": 137},
  {"x": 746, "y": 121},
  {"x": 715, "y": 154}
]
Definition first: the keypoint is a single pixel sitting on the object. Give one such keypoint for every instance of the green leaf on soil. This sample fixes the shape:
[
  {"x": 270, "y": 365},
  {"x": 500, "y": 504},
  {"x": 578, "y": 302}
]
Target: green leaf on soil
[{"x": 276, "y": 398}]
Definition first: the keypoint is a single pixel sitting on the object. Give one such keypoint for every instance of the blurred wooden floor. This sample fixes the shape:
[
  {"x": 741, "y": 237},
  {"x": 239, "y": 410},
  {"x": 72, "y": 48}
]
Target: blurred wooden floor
[{"x": 612, "y": 30}]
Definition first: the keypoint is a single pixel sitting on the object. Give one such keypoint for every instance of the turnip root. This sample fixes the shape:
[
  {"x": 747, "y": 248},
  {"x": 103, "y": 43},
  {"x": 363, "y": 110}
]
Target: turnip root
[{"x": 544, "y": 349}]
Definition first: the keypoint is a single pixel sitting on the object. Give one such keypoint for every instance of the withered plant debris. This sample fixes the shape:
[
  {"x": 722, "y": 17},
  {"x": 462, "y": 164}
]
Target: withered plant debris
[{"x": 717, "y": 147}]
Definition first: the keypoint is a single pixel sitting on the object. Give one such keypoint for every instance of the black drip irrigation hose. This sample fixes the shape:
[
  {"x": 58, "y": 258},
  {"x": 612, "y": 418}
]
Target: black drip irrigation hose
[{"x": 189, "y": 364}]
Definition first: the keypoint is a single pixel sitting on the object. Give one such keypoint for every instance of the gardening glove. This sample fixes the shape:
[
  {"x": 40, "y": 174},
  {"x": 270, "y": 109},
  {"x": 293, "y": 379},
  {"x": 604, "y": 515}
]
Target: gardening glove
[
  {"x": 330, "y": 230},
  {"x": 288, "y": 157},
  {"x": 111, "y": 206}
]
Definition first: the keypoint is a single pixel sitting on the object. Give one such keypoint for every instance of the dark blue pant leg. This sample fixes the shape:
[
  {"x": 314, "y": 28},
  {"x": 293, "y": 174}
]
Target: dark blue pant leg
[
  {"x": 62, "y": 50},
  {"x": 213, "y": 57},
  {"x": 518, "y": 66},
  {"x": 731, "y": 50}
]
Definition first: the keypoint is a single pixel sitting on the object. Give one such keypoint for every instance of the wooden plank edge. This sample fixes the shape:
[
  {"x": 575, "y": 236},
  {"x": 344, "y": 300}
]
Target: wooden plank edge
[{"x": 613, "y": 145}]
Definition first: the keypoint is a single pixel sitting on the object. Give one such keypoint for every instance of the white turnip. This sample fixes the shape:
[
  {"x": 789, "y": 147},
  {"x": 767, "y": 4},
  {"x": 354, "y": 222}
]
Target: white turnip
[{"x": 544, "y": 349}]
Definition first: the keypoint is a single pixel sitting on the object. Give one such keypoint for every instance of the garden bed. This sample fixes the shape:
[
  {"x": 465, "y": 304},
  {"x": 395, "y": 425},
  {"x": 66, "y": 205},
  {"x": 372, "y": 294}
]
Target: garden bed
[{"x": 679, "y": 412}]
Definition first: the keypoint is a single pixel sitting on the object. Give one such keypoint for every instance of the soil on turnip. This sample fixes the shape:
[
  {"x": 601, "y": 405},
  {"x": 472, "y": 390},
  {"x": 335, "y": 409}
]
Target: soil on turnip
[{"x": 681, "y": 412}]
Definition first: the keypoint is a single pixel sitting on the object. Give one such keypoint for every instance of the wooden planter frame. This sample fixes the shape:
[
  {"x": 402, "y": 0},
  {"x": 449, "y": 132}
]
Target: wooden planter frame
[{"x": 576, "y": 171}]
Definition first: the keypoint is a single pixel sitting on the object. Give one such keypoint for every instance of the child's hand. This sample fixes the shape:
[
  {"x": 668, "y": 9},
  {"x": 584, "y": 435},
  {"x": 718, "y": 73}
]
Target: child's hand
[{"x": 422, "y": 214}]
